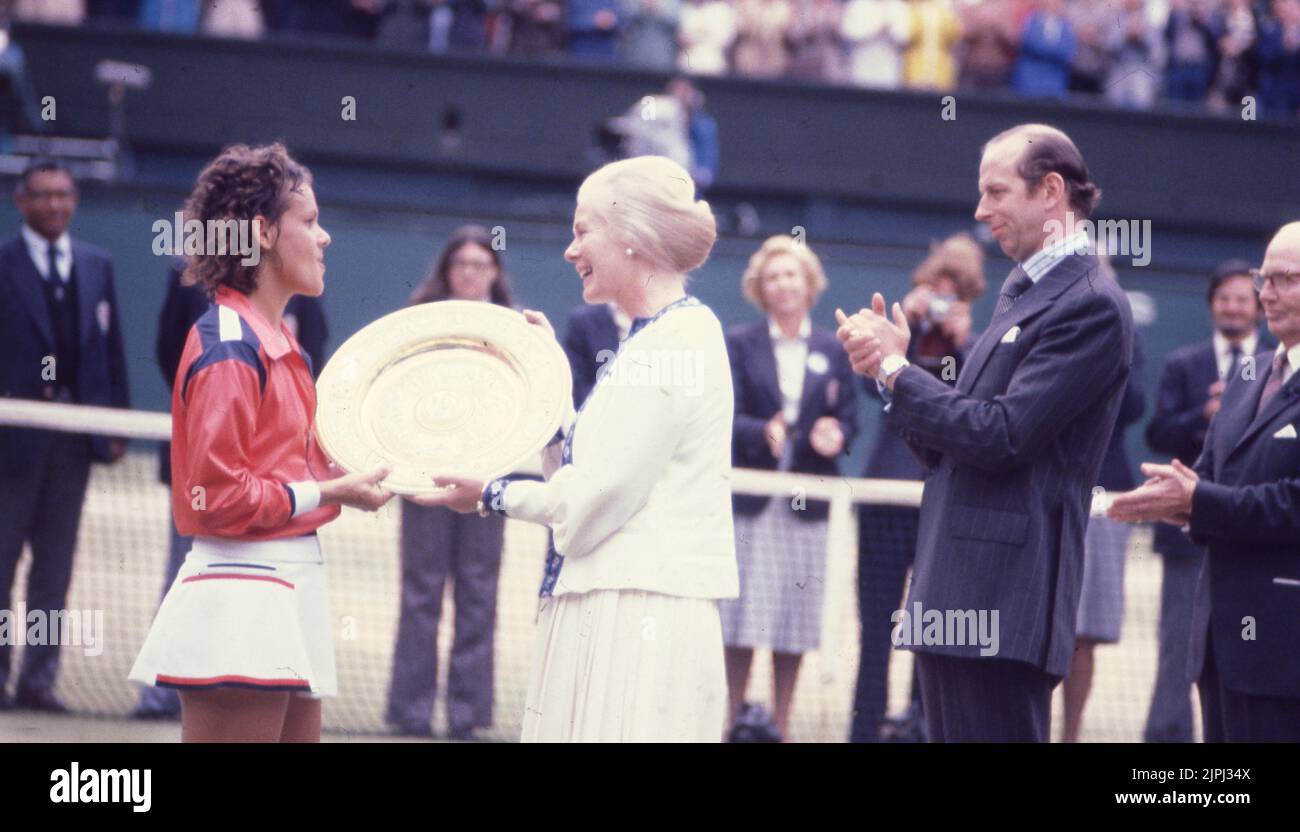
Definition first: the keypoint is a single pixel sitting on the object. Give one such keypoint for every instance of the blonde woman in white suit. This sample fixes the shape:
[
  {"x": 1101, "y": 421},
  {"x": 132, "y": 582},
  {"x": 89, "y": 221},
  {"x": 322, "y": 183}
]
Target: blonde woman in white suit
[{"x": 630, "y": 641}]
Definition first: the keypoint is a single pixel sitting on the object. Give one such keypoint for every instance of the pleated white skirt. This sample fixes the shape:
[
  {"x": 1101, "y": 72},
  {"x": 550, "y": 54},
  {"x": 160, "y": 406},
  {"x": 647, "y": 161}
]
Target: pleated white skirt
[
  {"x": 627, "y": 666},
  {"x": 244, "y": 614}
]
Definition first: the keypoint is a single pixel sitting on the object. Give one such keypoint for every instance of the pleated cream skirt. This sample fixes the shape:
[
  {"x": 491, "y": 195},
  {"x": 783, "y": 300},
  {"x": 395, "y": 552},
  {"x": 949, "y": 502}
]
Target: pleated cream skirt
[{"x": 627, "y": 666}]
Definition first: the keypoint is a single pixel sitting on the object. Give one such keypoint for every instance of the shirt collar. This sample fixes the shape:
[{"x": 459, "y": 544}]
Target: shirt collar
[
  {"x": 1292, "y": 357},
  {"x": 774, "y": 329},
  {"x": 36, "y": 243},
  {"x": 276, "y": 344},
  {"x": 1049, "y": 256},
  {"x": 1223, "y": 349}
]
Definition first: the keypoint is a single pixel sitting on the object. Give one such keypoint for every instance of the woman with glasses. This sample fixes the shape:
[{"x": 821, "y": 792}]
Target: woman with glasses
[{"x": 438, "y": 543}]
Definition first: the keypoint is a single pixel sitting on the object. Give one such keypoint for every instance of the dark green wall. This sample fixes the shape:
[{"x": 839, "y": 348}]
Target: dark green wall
[{"x": 872, "y": 177}]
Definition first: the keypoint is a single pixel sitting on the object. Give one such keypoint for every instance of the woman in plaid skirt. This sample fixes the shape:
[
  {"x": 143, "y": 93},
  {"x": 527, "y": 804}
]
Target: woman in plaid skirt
[{"x": 796, "y": 410}]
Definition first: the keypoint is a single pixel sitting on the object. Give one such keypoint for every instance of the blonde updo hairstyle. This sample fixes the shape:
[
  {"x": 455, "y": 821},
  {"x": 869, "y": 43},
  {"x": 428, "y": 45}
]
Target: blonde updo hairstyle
[
  {"x": 751, "y": 283},
  {"x": 650, "y": 207}
]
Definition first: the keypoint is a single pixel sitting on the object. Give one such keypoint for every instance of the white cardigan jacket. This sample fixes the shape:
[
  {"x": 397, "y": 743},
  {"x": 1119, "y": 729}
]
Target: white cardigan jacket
[{"x": 646, "y": 501}]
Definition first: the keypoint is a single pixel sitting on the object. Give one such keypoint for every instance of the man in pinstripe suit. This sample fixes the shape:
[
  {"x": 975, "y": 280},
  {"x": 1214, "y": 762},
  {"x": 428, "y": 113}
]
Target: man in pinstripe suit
[{"x": 1013, "y": 451}]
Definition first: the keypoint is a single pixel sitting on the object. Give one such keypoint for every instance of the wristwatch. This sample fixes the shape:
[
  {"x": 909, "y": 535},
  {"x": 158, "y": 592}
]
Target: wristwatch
[{"x": 890, "y": 365}]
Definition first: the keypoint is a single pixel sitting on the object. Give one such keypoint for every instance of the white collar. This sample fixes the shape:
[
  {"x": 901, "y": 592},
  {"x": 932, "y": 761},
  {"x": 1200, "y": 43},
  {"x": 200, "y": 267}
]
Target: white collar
[
  {"x": 35, "y": 242},
  {"x": 774, "y": 329},
  {"x": 1048, "y": 257},
  {"x": 1292, "y": 357},
  {"x": 1222, "y": 347}
]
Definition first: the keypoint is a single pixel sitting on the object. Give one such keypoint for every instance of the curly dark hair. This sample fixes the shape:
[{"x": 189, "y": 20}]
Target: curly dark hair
[
  {"x": 243, "y": 182},
  {"x": 435, "y": 285}
]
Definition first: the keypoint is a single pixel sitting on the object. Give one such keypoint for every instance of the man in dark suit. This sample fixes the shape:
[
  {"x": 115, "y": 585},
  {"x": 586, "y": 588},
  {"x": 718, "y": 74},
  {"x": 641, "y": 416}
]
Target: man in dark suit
[
  {"x": 1239, "y": 501},
  {"x": 946, "y": 282},
  {"x": 61, "y": 341},
  {"x": 1191, "y": 388},
  {"x": 590, "y": 341},
  {"x": 1013, "y": 451}
]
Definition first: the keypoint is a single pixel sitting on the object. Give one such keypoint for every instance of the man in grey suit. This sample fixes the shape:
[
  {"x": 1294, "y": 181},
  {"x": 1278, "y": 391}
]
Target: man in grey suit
[
  {"x": 60, "y": 341},
  {"x": 1012, "y": 452},
  {"x": 1240, "y": 502}
]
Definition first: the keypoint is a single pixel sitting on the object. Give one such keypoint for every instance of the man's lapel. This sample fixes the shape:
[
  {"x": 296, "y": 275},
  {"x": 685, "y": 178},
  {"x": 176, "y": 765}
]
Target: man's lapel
[
  {"x": 30, "y": 286},
  {"x": 1248, "y": 424},
  {"x": 1034, "y": 300}
]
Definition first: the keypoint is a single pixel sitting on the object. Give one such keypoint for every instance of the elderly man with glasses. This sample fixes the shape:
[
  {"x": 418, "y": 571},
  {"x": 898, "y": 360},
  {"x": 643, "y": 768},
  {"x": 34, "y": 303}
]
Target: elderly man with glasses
[{"x": 1240, "y": 500}]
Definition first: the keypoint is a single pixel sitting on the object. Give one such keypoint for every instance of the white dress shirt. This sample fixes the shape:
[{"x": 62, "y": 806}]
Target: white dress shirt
[
  {"x": 1292, "y": 361},
  {"x": 1223, "y": 351},
  {"x": 646, "y": 502},
  {"x": 1049, "y": 257},
  {"x": 39, "y": 248},
  {"x": 791, "y": 362}
]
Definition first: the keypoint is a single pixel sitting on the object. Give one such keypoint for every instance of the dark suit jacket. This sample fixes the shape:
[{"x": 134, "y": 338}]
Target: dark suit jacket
[
  {"x": 890, "y": 457},
  {"x": 1178, "y": 425},
  {"x": 1015, "y": 450},
  {"x": 591, "y": 330},
  {"x": 831, "y": 392},
  {"x": 1246, "y": 511},
  {"x": 27, "y": 336}
]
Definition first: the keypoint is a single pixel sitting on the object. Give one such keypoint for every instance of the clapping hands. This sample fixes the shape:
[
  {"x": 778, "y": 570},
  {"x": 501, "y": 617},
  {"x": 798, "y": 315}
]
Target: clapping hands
[
  {"x": 868, "y": 336},
  {"x": 1166, "y": 496}
]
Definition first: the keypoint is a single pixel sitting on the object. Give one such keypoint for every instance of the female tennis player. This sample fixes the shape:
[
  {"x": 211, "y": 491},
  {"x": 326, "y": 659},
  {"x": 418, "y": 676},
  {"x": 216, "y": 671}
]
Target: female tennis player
[
  {"x": 630, "y": 641},
  {"x": 244, "y": 632}
]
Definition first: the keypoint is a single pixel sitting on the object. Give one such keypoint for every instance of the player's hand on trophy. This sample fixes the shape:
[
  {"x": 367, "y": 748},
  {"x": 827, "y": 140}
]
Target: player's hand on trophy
[{"x": 361, "y": 491}]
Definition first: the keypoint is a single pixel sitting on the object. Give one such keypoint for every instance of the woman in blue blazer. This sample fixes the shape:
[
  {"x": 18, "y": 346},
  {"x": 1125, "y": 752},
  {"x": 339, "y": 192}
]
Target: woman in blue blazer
[{"x": 796, "y": 410}]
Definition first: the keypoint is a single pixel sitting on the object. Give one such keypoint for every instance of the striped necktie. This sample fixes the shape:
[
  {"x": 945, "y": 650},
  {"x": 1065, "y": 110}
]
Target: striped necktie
[{"x": 1013, "y": 287}]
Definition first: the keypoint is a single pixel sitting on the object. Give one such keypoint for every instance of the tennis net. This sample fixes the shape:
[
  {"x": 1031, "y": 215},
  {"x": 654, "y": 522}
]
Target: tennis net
[{"x": 123, "y": 546}]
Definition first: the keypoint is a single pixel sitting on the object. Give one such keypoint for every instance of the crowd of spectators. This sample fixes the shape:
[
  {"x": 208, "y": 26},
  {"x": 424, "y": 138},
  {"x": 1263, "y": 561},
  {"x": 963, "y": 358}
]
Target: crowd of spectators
[{"x": 1196, "y": 53}]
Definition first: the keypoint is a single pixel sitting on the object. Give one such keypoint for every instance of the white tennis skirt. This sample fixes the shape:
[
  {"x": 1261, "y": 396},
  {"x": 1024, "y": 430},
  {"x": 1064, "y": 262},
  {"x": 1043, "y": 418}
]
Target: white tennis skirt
[
  {"x": 627, "y": 666},
  {"x": 244, "y": 614}
]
